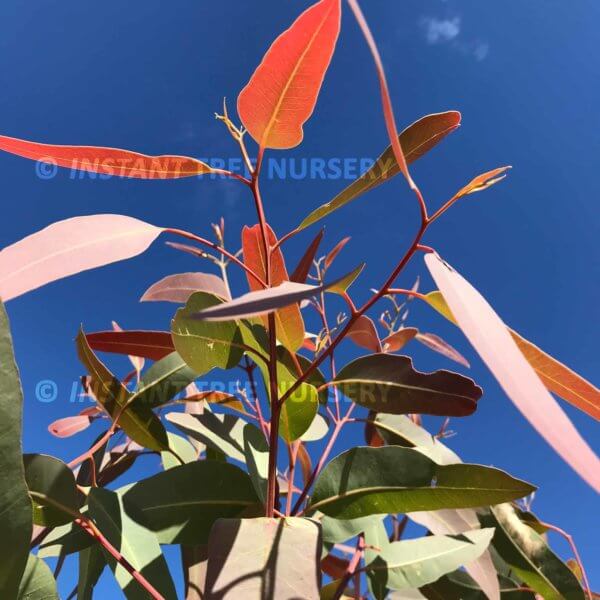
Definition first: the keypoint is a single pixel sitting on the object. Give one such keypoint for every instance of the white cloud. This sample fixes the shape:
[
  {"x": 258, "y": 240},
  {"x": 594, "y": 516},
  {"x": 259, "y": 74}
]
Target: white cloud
[
  {"x": 439, "y": 31},
  {"x": 481, "y": 51}
]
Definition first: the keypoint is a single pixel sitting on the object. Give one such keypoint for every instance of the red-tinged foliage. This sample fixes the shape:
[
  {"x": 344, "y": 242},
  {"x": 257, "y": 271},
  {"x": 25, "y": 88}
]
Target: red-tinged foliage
[
  {"x": 282, "y": 93},
  {"x": 290, "y": 324},
  {"x": 300, "y": 274},
  {"x": 111, "y": 162},
  {"x": 153, "y": 345}
]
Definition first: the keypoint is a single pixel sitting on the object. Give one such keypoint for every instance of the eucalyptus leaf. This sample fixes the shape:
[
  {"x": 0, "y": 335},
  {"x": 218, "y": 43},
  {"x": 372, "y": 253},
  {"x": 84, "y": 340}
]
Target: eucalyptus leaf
[
  {"x": 135, "y": 542},
  {"x": 37, "y": 583},
  {"x": 256, "y": 454},
  {"x": 15, "y": 516},
  {"x": 91, "y": 566},
  {"x": 366, "y": 481},
  {"x": 180, "y": 505}
]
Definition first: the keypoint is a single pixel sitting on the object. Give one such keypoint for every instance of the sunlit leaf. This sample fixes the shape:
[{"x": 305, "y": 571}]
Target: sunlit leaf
[
  {"x": 341, "y": 286},
  {"x": 529, "y": 557},
  {"x": 205, "y": 345},
  {"x": 416, "y": 140},
  {"x": 51, "y": 486},
  {"x": 556, "y": 376},
  {"x": 180, "y": 447},
  {"x": 397, "y": 341},
  {"x": 69, "y": 247},
  {"x": 288, "y": 320},
  {"x": 178, "y": 288},
  {"x": 264, "y": 558},
  {"x": 414, "y": 563},
  {"x": 490, "y": 337},
  {"x": 366, "y": 481},
  {"x": 283, "y": 91},
  {"x": 437, "y": 344},
  {"x": 139, "y": 422},
  {"x": 364, "y": 334},
  {"x": 256, "y": 454},
  {"x": 136, "y": 543},
  {"x": 389, "y": 383},
  {"x": 331, "y": 256},
  {"x": 336, "y": 531},
  {"x": 15, "y": 518},
  {"x": 69, "y": 426},
  {"x": 38, "y": 582},
  {"x": 180, "y": 510},
  {"x": 106, "y": 161},
  {"x": 149, "y": 344},
  {"x": 482, "y": 182}
]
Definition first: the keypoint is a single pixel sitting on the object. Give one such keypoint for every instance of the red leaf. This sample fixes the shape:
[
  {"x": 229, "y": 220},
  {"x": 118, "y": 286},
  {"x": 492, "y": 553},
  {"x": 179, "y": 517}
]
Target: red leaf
[
  {"x": 493, "y": 342},
  {"x": 64, "y": 428},
  {"x": 300, "y": 275},
  {"x": 398, "y": 340},
  {"x": 69, "y": 247},
  {"x": 153, "y": 345},
  {"x": 137, "y": 361},
  {"x": 482, "y": 182},
  {"x": 178, "y": 288},
  {"x": 364, "y": 334},
  {"x": 437, "y": 344},
  {"x": 333, "y": 254},
  {"x": 282, "y": 92},
  {"x": 107, "y": 161},
  {"x": 289, "y": 322}
]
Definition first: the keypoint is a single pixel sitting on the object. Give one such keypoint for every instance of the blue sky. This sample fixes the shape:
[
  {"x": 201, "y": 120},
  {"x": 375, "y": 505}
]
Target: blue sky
[{"x": 148, "y": 76}]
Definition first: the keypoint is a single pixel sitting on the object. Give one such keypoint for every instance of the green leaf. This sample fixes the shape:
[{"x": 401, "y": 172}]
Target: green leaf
[
  {"x": 37, "y": 582},
  {"x": 182, "y": 448},
  {"x": 390, "y": 384},
  {"x": 256, "y": 454},
  {"x": 138, "y": 422},
  {"x": 224, "y": 433},
  {"x": 529, "y": 557},
  {"x": 316, "y": 377},
  {"x": 91, "y": 566},
  {"x": 341, "y": 286},
  {"x": 264, "y": 558},
  {"x": 180, "y": 505},
  {"x": 336, "y": 531},
  {"x": 163, "y": 381},
  {"x": 136, "y": 543},
  {"x": 416, "y": 140},
  {"x": 52, "y": 488},
  {"x": 366, "y": 481},
  {"x": 205, "y": 345},
  {"x": 66, "y": 539},
  {"x": 318, "y": 429},
  {"x": 15, "y": 516},
  {"x": 414, "y": 563},
  {"x": 376, "y": 537}
]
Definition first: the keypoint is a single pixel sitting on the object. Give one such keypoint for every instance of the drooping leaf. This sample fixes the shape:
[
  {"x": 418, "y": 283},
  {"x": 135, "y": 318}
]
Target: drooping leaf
[
  {"x": 288, "y": 320},
  {"x": 205, "y": 345},
  {"x": 264, "y": 558},
  {"x": 178, "y": 288},
  {"x": 490, "y": 337},
  {"x": 136, "y": 543},
  {"x": 389, "y": 383},
  {"x": 112, "y": 162},
  {"x": 224, "y": 433},
  {"x": 529, "y": 557},
  {"x": 300, "y": 274},
  {"x": 69, "y": 426},
  {"x": 416, "y": 140},
  {"x": 138, "y": 422},
  {"x": 283, "y": 91},
  {"x": 91, "y": 566},
  {"x": 397, "y": 341},
  {"x": 365, "y": 481},
  {"x": 181, "y": 510},
  {"x": 437, "y": 344},
  {"x": 153, "y": 345},
  {"x": 457, "y": 522},
  {"x": 556, "y": 376},
  {"x": 69, "y": 247},
  {"x": 15, "y": 517},
  {"x": 163, "y": 381},
  {"x": 263, "y": 302},
  {"x": 414, "y": 563},
  {"x": 51, "y": 486},
  {"x": 364, "y": 334},
  {"x": 37, "y": 583}
]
